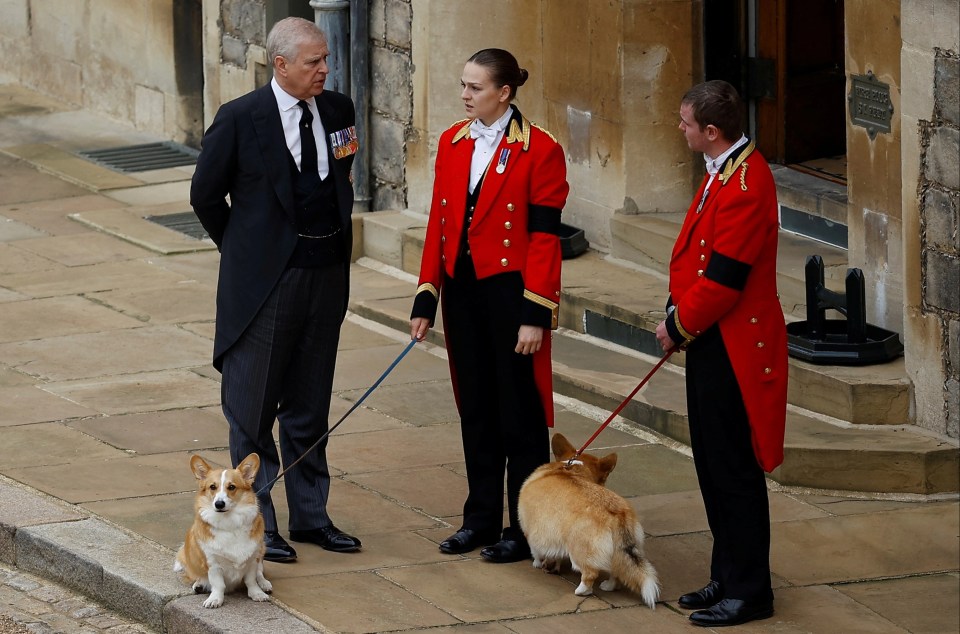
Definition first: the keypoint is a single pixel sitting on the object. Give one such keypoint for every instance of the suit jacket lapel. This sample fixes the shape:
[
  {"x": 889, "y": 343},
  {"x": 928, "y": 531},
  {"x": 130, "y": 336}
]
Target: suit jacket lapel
[{"x": 273, "y": 147}]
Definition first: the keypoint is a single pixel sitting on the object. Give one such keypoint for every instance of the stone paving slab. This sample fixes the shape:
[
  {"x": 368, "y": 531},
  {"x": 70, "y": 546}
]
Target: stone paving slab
[
  {"x": 22, "y": 183},
  {"x": 188, "y": 429},
  {"x": 81, "y": 249},
  {"x": 131, "y": 225},
  {"x": 186, "y": 302},
  {"x": 917, "y": 604},
  {"x": 53, "y": 216},
  {"x": 70, "y": 167},
  {"x": 23, "y": 404},
  {"x": 11, "y": 230},
  {"x": 56, "y": 317},
  {"x": 143, "y": 392},
  {"x": 89, "y": 279}
]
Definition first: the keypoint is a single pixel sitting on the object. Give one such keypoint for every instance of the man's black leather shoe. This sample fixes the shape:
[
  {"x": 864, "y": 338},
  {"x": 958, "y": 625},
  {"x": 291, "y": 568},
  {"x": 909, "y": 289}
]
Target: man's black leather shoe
[
  {"x": 732, "y": 612},
  {"x": 506, "y": 551},
  {"x": 328, "y": 538},
  {"x": 277, "y": 549},
  {"x": 465, "y": 540},
  {"x": 707, "y": 596}
]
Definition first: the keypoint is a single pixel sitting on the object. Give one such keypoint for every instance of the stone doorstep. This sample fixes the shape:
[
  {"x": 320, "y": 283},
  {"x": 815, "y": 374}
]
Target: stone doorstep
[
  {"x": 820, "y": 455},
  {"x": 624, "y": 305}
]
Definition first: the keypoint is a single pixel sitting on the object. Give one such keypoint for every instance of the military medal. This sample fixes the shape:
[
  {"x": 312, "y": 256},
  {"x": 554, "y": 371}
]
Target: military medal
[
  {"x": 344, "y": 142},
  {"x": 502, "y": 161}
]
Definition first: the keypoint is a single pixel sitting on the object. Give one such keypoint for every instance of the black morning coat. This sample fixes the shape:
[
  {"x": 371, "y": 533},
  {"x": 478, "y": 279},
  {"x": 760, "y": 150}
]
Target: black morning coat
[{"x": 244, "y": 155}]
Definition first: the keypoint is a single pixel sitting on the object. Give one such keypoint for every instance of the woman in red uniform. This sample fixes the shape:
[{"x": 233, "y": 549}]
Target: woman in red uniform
[{"x": 493, "y": 249}]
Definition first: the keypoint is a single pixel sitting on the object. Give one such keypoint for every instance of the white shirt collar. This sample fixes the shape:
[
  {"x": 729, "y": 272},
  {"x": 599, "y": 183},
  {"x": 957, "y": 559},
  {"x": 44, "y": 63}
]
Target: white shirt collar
[
  {"x": 714, "y": 165},
  {"x": 499, "y": 125}
]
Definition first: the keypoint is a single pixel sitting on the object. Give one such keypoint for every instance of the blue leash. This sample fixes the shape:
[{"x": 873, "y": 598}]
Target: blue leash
[{"x": 344, "y": 417}]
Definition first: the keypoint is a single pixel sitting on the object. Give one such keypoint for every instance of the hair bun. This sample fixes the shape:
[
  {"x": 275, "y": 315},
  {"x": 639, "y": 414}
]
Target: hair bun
[{"x": 523, "y": 77}]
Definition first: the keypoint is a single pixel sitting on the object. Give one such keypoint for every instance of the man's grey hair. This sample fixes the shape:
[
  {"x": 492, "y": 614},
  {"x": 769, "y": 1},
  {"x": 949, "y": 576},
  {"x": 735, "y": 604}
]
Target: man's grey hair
[{"x": 288, "y": 34}]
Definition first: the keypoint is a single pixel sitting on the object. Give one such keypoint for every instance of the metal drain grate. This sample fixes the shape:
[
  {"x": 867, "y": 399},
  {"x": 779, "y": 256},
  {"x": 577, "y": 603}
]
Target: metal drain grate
[
  {"x": 185, "y": 222},
  {"x": 140, "y": 158}
]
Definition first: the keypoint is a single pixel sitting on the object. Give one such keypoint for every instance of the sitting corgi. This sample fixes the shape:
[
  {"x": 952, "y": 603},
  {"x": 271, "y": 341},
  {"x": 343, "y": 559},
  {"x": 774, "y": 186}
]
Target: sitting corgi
[
  {"x": 224, "y": 546},
  {"x": 567, "y": 513}
]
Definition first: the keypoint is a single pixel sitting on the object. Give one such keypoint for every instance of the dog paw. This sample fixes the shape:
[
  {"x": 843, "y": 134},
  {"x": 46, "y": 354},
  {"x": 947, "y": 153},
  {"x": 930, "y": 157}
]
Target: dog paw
[
  {"x": 583, "y": 590},
  {"x": 609, "y": 585},
  {"x": 213, "y": 602},
  {"x": 258, "y": 595},
  {"x": 265, "y": 585},
  {"x": 201, "y": 588}
]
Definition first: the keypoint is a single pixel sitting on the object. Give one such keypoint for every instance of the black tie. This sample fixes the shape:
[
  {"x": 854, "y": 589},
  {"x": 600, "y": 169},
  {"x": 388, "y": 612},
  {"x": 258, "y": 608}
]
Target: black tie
[{"x": 308, "y": 143}]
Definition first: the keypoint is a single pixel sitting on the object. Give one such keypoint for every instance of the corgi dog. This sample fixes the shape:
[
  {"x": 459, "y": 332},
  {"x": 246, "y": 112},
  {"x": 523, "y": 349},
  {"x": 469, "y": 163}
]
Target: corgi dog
[
  {"x": 566, "y": 512},
  {"x": 224, "y": 546}
]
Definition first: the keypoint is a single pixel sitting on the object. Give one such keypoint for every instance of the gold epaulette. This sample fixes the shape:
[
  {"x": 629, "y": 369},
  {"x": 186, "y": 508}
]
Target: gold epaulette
[
  {"x": 732, "y": 165},
  {"x": 545, "y": 131},
  {"x": 462, "y": 132}
]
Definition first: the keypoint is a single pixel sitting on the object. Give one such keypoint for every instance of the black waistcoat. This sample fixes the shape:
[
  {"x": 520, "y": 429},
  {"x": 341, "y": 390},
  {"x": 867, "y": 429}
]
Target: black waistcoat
[{"x": 318, "y": 223}]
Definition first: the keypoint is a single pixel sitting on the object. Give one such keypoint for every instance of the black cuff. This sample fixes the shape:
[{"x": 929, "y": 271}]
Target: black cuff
[
  {"x": 425, "y": 305},
  {"x": 534, "y": 314}
]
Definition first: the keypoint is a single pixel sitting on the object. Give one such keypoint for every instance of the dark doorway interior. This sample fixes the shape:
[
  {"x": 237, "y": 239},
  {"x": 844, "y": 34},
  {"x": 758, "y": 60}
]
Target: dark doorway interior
[{"x": 794, "y": 79}]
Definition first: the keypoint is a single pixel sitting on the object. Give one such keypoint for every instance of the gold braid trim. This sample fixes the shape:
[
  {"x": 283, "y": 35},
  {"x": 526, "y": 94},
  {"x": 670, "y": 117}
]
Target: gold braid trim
[
  {"x": 683, "y": 331},
  {"x": 546, "y": 303},
  {"x": 462, "y": 132},
  {"x": 429, "y": 287},
  {"x": 731, "y": 166}
]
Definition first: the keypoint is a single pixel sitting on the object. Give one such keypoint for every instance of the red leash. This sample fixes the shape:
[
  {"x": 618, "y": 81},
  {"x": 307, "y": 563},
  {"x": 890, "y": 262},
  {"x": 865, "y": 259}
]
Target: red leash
[{"x": 622, "y": 405}]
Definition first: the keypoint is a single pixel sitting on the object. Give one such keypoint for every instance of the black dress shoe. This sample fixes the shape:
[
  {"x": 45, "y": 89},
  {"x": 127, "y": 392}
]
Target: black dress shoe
[
  {"x": 277, "y": 549},
  {"x": 707, "y": 596},
  {"x": 732, "y": 612},
  {"x": 507, "y": 551},
  {"x": 328, "y": 538},
  {"x": 465, "y": 540}
]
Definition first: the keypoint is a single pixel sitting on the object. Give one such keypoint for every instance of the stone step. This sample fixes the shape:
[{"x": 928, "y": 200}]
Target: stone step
[
  {"x": 624, "y": 304},
  {"x": 818, "y": 454},
  {"x": 647, "y": 240}
]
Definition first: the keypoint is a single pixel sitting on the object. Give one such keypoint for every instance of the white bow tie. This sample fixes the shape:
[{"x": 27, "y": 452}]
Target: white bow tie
[{"x": 478, "y": 130}]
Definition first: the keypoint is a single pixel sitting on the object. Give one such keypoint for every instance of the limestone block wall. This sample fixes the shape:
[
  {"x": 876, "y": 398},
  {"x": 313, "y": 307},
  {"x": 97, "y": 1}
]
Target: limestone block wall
[
  {"x": 931, "y": 205},
  {"x": 391, "y": 101},
  {"x": 873, "y": 165},
  {"x": 606, "y": 77},
  {"x": 135, "y": 61}
]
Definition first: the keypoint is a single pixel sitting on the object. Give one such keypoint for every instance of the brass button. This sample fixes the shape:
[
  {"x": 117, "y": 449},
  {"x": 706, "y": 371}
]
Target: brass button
[
  {"x": 558, "y": 293},
  {"x": 753, "y": 320},
  {"x": 443, "y": 258},
  {"x": 506, "y": 243},
  {"x": 504, "y": 262},
  {"x": 767, "y": 370},
  {"x": 443, "y": 238},
  {"x": 508, "y": 225},
  {"x": 510, "y": 207},
  {"x": 468, "y": 251},
  {"x": 443, "y": 221},
  {"x": 443, "y": 202},
  {"x": 702, "y": 257},
  {"x": 471, "y": 209},
  {"x": 700, "y": 273},
  {"x": 759, "y": 344},
  {"x": 469, "y": 219},
  {"x": 703, "y": 243}
]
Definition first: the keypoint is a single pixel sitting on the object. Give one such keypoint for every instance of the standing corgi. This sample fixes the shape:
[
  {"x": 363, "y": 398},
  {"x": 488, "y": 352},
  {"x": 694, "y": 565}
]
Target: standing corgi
[
  {"x": 567, "y": 513},
  {"x": 224, "y": 546}
]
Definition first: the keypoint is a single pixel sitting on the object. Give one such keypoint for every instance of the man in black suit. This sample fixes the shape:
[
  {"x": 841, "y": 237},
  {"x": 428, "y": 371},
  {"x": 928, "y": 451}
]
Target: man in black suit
[{"x": 283, "y": 155}]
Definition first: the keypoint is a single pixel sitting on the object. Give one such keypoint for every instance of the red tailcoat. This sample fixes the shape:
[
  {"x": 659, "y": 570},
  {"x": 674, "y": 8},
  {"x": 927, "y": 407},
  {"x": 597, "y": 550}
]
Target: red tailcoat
[
  {"x": 532, "y": 181},
  {"x": 724, "y": 271}
]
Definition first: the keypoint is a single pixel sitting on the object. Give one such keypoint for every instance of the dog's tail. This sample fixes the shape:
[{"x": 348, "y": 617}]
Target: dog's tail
[{"x": 631, "y": 567}]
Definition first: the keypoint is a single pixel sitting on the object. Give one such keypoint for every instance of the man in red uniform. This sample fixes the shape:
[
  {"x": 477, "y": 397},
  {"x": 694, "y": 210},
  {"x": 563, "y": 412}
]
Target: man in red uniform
[{"x": 725, "y": 312}]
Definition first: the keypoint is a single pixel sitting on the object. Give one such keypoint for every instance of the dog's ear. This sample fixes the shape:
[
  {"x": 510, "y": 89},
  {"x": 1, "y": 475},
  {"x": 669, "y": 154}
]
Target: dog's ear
[
  {"x": 604, "y": 466},
  {"x": 199, "y": 467},
  {"x": 562, "y": 448},
  {"x": 248, "y": 468}
]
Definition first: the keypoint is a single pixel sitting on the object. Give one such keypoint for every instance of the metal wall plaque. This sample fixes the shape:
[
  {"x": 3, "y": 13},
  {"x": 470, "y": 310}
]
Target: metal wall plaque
[{"x": 870, "y": 105}]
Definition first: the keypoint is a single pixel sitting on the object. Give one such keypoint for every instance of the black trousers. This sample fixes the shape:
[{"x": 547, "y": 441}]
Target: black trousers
[
  {"x": 502, "y": 421},
  {"x": 731, "y": 481},
  {"x": 282, "y": 369}
]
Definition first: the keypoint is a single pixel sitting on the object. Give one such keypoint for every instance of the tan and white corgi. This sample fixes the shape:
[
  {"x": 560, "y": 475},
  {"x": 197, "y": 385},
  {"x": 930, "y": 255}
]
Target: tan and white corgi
[
  {"x": 224, "y": 546},
  {"x": 567, "y": 513}
]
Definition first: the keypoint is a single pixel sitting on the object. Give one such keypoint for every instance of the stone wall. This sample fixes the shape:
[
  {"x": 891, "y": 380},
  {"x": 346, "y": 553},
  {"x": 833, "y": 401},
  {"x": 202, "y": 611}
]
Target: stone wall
[
  {"x": 606, "y": 78},
  {"x": 931, "y": 200},
  {"x": 137, "y": 61},
  {"x": 391, "y": 101}
]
